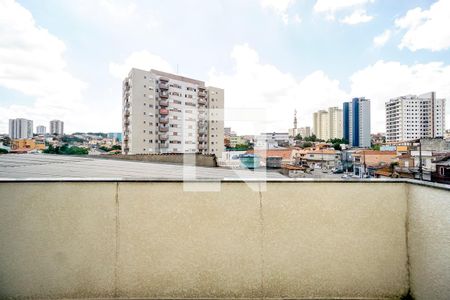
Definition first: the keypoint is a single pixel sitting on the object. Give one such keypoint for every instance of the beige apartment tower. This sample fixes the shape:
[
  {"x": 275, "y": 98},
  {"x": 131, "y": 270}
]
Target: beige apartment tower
[
  {"x": 167, "y": 113},
  {"x": 327, "y": 124}
]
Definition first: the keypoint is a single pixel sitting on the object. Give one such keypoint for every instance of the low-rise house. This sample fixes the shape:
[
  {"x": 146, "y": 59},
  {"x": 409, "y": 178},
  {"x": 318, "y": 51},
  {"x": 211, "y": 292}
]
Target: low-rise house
[
  {"x": 367, "y": 162},
  {"x": 286, "y": 154},
  {"x": 442, "y": 173},
  {"x": 27, "y": 145},
  {"x": 324, "y": 158},
  {"x": 293, "y": 171}
]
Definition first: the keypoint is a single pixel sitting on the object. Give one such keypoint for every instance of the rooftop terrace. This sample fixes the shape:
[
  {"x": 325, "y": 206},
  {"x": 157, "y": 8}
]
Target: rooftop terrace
[{"x": 296, "y": 239}]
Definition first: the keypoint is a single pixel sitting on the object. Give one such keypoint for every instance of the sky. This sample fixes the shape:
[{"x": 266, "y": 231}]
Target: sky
[{"x": 66, "y": 59}]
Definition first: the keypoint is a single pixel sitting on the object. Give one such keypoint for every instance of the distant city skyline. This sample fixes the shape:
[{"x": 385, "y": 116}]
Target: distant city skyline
[{"x": 276, "y": 55}]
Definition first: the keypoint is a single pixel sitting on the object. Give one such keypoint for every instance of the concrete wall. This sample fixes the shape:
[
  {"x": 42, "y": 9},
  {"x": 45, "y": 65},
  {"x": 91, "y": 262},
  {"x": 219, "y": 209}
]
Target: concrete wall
[
  {"x": 429, "y": 242},
  {"x": 298, "y": 240},
  {"x": 201, "y": 160}
]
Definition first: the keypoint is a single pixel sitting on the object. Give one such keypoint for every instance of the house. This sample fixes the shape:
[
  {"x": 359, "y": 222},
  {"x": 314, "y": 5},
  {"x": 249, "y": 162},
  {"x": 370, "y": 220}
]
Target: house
[
  {"x": 367, "y": 162},
  {"x": 442, "y": 173}
]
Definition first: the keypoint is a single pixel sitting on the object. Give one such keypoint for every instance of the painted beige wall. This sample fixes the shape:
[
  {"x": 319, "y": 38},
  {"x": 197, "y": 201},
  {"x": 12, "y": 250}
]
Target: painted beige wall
[
  {"x": 157, "y": 240},
  {"x": 429, "y": 242}
]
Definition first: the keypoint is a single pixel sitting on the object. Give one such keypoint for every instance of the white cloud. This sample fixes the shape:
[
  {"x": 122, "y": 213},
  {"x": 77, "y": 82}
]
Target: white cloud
[
  {"x": 358, "y": 16},
  {"x": 141, "y": 60},
  {"x": 385, "y": 80},
  {"x": 256, "y": 85},
  {"x": 382, "y": 39},
  {"x": 331, "y": 7},
  {"x": 32, "y": 63},
  {"x": 426, "y": 29},
  {"x": 280, "y": 7}
]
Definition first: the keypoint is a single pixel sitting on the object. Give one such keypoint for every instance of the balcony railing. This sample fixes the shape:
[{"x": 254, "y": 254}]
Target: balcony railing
[
  {"x": 163, "y": 103},
  {"x": 163, "y": 86},
  {"x": 201, "y": 101},
  {"x": 202, "y": 139},
  {"x": 164, "y": 145},
  {"x": 163, "y": 120},
  {"x": 163, "y": 137},
  {"x": 163, "y": 112},
  {"x": 202, "y": 94},
  {"x": 164, "y": 94},
  {"x": 163, "y": 128}
]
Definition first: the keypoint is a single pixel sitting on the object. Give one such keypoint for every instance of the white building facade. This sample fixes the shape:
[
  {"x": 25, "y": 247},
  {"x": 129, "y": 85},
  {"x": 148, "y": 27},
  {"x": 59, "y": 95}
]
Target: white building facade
[
  {"x": 41, "y": 130},
  {"x": 56, "y": 127},
  {"x": 413, "y": 117},
  {"x": 20, "y": 129},
  {"x": 327, "y": 124},
  {"x": 167, "y": 113}
]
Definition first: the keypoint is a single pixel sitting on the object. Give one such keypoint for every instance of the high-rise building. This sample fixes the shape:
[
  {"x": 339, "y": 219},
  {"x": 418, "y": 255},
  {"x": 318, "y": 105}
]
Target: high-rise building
[
  {"x": 305, "y": 131},
  {"x": 356, "y": 122},
  {"x": 328, "y": 124},
  {"x": 335, "y": 123},
  {"x": 167, "y": 113},
  {"x": 20, "y": 129},
  {"x": 57, "y": 127},
  {"x": 40, "y": 129},
  {"x": 413, "y": 117}
]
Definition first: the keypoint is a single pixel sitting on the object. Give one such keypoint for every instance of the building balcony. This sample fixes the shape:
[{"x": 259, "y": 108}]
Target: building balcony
[
  {"x": 163, "y": 137},
  {"x": 202, "y": 94},
  {"x": 163, "y": 112},
  {"x": 126, "y": 122},
  {"x": 202, "y": 139},
  {"x": 164, "y": 145},
  {"x": 378, "y": 239},
  {"x": 127, "y": 113},
  {"x": 202, "y": 123},
  {"x": 202, "y": 131},
  {"x": 164, "y": 94},
  {"x": 163, "y": 86},
  {"x": 163, "y": 120},
  {"x": 163, "y": 79},
  {"x": 202, "y": 117},
  {"x": 202, "y": 101},
  {"x": 202, "y": 146},
  {"x": 163, "y": 103},
  {"x": 163, "y": 128}
]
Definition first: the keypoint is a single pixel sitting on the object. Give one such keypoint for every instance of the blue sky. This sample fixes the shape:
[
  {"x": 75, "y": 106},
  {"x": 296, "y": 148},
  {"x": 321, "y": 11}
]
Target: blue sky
[{"x": 65, "y": 59}]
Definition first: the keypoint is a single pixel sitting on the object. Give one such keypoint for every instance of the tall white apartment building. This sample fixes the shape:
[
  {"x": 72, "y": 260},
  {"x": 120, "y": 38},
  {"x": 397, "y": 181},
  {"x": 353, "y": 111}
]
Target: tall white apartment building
[
  {"x": 167, "y": 113},
  {"x": 328, "y": 124},
  {"x": 20, "y": 129},
  {"x": 56, "y": 127},
  {"x": 413, "y": 117},
  {"x": 40, "y": 129}
]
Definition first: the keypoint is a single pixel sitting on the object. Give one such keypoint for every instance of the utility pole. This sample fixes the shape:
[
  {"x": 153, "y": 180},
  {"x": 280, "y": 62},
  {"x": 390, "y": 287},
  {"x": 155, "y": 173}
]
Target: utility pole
[{"x": 420, "y": 161}]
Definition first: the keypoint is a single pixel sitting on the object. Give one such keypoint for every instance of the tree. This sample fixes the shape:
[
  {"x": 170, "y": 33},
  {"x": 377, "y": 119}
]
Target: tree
[
  {"x": 311, "y": 138},
  {"x": 298, "y": 137},
  {"x": 306, "y": 145},
  {"x": 376, "y": 147},
  {"x": 3, "y": 151}
]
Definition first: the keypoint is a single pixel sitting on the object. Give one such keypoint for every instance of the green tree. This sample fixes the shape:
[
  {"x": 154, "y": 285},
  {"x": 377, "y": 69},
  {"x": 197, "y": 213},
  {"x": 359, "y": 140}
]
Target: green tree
[
  {"x": 311, "y": 138},
  {"x": 298, "y": 137},
  {"x": 3, "y": 151}
]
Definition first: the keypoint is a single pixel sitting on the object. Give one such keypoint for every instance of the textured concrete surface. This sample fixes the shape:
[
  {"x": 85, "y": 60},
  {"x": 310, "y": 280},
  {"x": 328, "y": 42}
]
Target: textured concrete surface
[
  {"x": 334, "y": 240},
  {"x": 57, "y": 240},
  {"x": 429, "y": 242},
  {"x": 147, "y": 239}
]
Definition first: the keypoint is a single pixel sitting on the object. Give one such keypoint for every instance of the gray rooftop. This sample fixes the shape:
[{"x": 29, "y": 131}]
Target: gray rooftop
[{"x": 60, "y": 166}]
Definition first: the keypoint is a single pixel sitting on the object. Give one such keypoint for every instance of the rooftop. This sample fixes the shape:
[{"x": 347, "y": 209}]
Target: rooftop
[{"x": 61, "y": 166}]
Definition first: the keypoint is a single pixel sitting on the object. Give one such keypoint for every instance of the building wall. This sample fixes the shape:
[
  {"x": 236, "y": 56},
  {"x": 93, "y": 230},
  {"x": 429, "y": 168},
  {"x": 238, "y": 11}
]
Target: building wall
[
  {"x": 57, "y": 127},
  {"x": 20, "y": 129},
  {"x": 413, "y": 117},
  {"x": 429, "y": 242},
  {"x": 194, "y": 124},
  {"x": 184, "y": 240}
]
